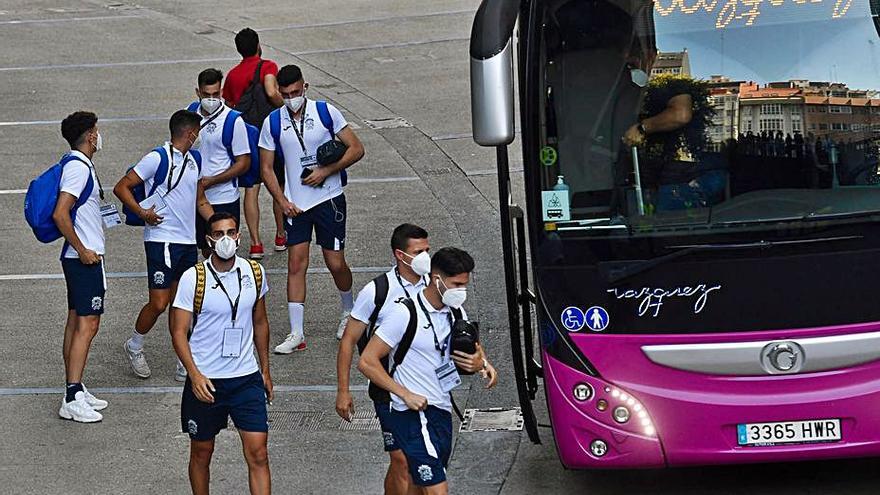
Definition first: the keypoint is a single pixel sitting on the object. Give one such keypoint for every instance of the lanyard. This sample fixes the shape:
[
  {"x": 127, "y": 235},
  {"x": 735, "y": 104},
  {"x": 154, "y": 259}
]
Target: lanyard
[
  {"x": 212, "y": 117},
  {"x": 400, "y": 281},
  {"x": 232, "y": 304},
  {"x": 442, "y": 349},
  {"x": 97, "y": 179},
  {"x": 300, "y": 133},
  {"x": 169, "y": 187}
]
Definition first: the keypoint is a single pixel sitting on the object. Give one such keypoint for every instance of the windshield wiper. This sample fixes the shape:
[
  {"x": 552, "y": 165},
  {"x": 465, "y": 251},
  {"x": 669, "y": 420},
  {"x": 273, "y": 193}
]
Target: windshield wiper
[{"x": 615, "y": 276}]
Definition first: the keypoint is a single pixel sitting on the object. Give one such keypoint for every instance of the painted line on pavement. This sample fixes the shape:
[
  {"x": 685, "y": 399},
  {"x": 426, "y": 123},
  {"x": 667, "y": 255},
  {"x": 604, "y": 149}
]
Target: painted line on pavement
[
  {"x": 118, "y": 64},
  {"x": 377, "y": 47},
  {"x": 161, "y": 390},
  {"x": 69, "y": 19},
  {"x": 149, "y": 118},
  {"x": 270, "y": 271},
  {"x": 364, "y": 21}
]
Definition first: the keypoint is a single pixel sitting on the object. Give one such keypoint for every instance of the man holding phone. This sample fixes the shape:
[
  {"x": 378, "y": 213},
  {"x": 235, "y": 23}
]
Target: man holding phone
[{"x": 315, "y": 201}]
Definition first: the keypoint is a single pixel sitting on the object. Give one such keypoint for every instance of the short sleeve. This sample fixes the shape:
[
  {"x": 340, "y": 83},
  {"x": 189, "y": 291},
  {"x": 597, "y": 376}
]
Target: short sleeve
[
  {"x": 240, "y": 145},
  {"x": 266, "y": 141},
  {"x": 265, "y": 288},
  {"x": 339, "y": 121},
  {"x": 146, "y": 168},
  {"x": 186, "y": 289},
  {"x": 74, "y": 178},
  {"x": 365, "y": 303},
  {"x": 394, "y": 325},
  {"x": 269, "y": 67}
]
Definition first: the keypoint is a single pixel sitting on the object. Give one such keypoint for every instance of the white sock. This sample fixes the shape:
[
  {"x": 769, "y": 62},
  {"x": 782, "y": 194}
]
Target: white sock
[
  {"x": 136, "y": 342},
  {"x": 296, "y": 310},
  {"x": 346, "y": 300}
]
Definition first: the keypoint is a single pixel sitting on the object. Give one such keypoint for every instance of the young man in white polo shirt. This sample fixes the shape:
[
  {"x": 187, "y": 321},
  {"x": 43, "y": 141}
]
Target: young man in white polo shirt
[
  {"x": 409, "y": 244},
  {"x": 82, "y": 259},
  {"x": 421, "y": 381},
  {"x": 170, "y": 231},
  {"x": 221, "y": 165},
  {"x": 226, "y": 355},
  {"x": 312, "y": 198}
]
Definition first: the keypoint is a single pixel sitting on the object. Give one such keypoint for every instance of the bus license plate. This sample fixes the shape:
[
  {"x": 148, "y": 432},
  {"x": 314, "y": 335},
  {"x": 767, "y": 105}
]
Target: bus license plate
[{"x": 816, "y": 430}]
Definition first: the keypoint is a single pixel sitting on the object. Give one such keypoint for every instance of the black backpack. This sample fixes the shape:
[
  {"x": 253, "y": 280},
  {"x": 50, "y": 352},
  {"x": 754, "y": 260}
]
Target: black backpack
[{"x": 254, "y": 105}]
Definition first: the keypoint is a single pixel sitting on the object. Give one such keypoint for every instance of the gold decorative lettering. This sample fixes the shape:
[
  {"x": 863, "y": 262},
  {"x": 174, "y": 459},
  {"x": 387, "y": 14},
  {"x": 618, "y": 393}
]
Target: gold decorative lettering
[
  {"x": 726, "y": 15},
  {"x": 840, "y": 12}
]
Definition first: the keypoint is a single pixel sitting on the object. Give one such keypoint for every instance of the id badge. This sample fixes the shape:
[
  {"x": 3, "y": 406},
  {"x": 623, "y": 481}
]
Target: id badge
[
  {"x": 156, "y": 200},
  {"x": 231, "y": 342},
  {"x": 110, "y": 215},
  {"x": 448, "y": 377},
  {"x": 308, "y": 161}
]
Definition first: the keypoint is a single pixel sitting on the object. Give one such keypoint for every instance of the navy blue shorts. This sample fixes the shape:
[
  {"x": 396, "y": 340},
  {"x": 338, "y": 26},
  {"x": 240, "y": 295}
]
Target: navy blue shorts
[
  {"x": 383, "y": 411},
  {"x": 425, "y": 437},
  {"x": 86, "y": 286},
  {"x": 327, "y": 219},
  {"x": 242, "y": 398},
  {"x": 166, "y": 262},
  {"x": 233, "y": 209}
]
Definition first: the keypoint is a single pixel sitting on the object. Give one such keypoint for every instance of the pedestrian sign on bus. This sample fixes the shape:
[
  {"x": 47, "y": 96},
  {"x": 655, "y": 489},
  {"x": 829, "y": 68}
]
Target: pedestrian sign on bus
[
  {"x": 573, "y": 319},
  {"x": 597, "y": 318}
]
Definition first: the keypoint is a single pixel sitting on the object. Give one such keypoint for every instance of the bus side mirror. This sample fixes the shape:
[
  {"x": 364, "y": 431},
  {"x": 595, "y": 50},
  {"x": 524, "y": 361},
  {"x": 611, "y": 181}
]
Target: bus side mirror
[
  {"x": 492, "y": 109},
  {"x": 491, "y": 50}
]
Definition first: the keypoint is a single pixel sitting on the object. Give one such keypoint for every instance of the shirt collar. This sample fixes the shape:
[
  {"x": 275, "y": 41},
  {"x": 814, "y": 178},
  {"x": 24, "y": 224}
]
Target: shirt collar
[
  {"x": 235, "y": 265},
  {"x": 406, "y": 283},
  {"x": 177, "y": 152},
  {"x": 79, "y": 154},
  {"x": 430, "y": 307}
]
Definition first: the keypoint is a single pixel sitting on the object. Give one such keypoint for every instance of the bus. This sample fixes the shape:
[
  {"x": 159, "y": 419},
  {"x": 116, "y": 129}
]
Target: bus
[{"x": 689, "y": 277}]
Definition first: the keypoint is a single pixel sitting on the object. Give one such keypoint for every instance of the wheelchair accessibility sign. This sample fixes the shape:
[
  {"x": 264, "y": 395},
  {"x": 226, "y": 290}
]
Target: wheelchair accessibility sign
[{"x": 573, "y": 319}]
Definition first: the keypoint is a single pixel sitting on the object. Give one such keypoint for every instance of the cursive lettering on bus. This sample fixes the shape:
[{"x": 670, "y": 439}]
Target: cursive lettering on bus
[
  {"x": 737, "y": 10},
  {"x": 651, "y": 300}
]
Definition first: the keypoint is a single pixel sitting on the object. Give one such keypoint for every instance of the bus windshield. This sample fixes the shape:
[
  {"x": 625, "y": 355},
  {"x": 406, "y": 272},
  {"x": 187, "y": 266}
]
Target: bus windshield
[{"x": 673, "y": 115}]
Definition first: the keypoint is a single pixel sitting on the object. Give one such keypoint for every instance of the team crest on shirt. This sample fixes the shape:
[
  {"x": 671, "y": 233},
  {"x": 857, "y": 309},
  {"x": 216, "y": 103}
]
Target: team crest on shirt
[
  {"x": 159, "y": 278},
  {"x": 425, "y": 472},
  {"x": 211, "y": 127},
  {"x": 191, "y": 165},
  {"x": 97, "y": 302},
  {"x": 246, "y": 281},
  {"x": 309, "y": 124},
  {"x": 192, "y": 427}
]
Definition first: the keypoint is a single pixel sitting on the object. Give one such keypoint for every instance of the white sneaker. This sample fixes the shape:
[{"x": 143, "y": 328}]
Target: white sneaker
[
  {"x": 342, "y": 322},
  {"x": 79, "y": 410},
  {"x": 96, "y": 403},
  {"x": 180, "y": 373},
  {"x": 290, "y": 344},
  {"x": 137, "y": 360}
]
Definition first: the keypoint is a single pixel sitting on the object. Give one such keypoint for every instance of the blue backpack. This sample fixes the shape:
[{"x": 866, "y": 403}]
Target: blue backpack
[
  {"x": 252, "y": 176},
  {"x": 275, "y": 131},
  {"x": 42, "y": 196},
  {"x": 140, "y": 191}
]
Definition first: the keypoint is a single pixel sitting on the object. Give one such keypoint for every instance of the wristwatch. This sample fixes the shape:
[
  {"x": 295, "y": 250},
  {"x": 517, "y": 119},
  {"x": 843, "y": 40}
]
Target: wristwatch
[{"x": 485, "y": 364}]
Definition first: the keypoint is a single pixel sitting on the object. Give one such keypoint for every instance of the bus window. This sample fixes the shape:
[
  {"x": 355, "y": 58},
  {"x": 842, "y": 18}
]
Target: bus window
[{"x": 710, "y": 112}]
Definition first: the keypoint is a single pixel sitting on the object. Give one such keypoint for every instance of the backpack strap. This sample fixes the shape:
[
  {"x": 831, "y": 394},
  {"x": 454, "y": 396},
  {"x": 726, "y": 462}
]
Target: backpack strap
[
  {"x": 326, "y": 118},
  {"x": 456, "y": 314},
  {"x": 226, "y": 138},
  {"x": 256, "y": 80},
  {"x": 408, "y": 336},
  {"x": 193, "y": 106},
  {"x": 161, "y": 170},
  {"x": 381, "y": 294},
  {"x": 258, "y": 276},
  {"x": 275, "y": 132},
  {"x": 87, "y": 189},
  {"x": 197, "y": 156}
]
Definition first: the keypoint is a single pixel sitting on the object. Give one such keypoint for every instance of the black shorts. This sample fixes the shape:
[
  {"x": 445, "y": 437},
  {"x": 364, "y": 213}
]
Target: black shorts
[
  {"x": 383, "y": 412},
  {"x": 166, "y": 262},
  {"x": 243, "y": 398},
  {"x": 233, "y": 209},
  {"x": 326, "y": 219},
  {"x": 86, "y": 286},
  {"x": 425, "y": 437}
]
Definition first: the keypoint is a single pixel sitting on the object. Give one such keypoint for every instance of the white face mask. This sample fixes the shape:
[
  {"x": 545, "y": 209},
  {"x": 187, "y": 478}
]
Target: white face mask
[
  {"x": 420, "y": 264},
  {"x": 454, "y": 298},
  {"x": 295, "y": 103},
  {"x": 225, "y": 247},
  {"x": 99, "y": 143},
  {"x": 210, "y": 105}
]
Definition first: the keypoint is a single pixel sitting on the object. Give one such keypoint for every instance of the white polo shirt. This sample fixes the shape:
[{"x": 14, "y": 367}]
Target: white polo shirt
[
  {"x": 397, "y": 287},
  {"x": 206, "y": 341},
  {"x": 88, "y": 225},
  {"x": 314, "y": 135},
  {"x": 179, "y": 217},
  {"x": 417, "y": 372},
  {"x": 215, "y": 157}
]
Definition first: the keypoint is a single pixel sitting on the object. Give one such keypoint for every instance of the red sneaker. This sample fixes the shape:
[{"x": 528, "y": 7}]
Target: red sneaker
[
  {"x": 256, "y": 252},
  {"x": 280, "y": 243}
]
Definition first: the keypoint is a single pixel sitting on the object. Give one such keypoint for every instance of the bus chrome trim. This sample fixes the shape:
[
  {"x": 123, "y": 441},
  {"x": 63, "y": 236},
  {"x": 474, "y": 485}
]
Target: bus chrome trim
[
  {"x": 492, "y": 108},
  {"x": 758, "y": 358}
]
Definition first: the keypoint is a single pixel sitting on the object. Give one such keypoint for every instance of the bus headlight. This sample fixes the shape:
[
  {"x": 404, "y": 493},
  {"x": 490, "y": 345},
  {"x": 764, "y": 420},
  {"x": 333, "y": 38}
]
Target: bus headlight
[{"x": 620, "y": 414}]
